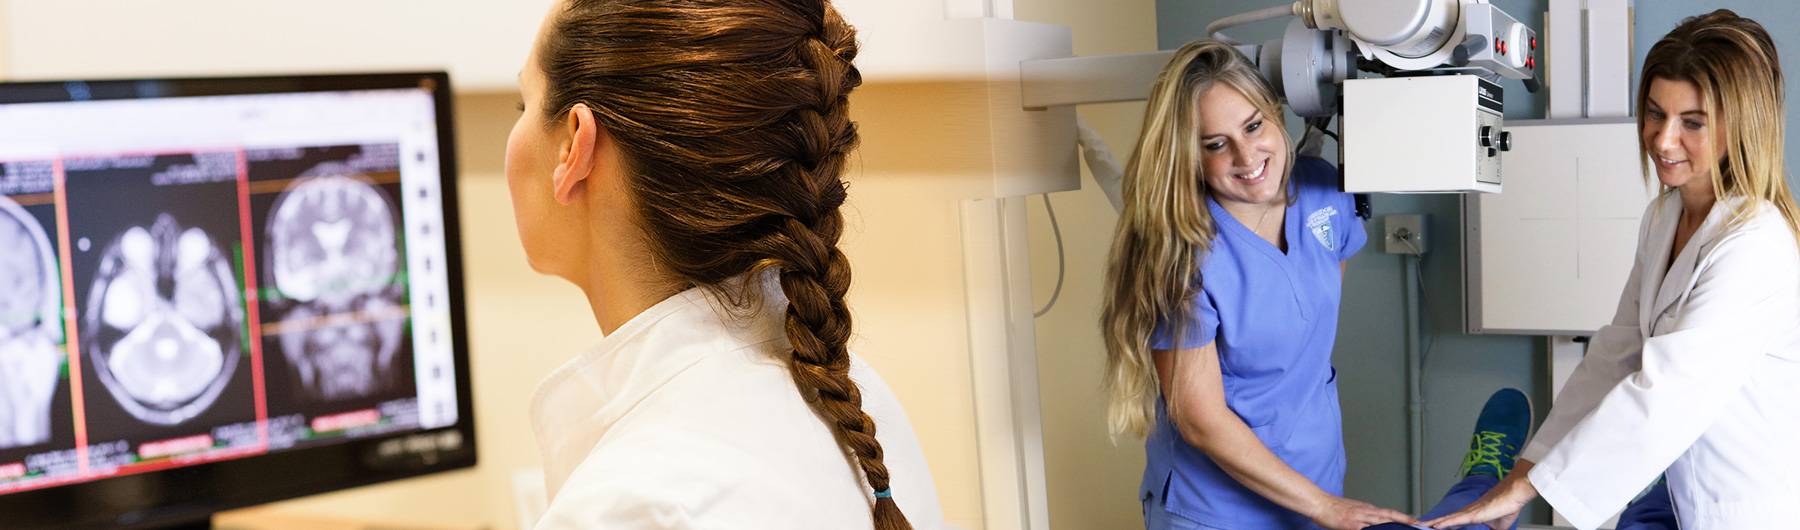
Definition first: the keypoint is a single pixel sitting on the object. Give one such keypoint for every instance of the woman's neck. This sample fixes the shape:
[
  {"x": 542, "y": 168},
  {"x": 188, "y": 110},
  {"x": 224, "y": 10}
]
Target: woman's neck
[
  {"x": 1696, "y": 202},
  {"x": 1254, "y": 215},
  {"x": 621, "y": 283}
]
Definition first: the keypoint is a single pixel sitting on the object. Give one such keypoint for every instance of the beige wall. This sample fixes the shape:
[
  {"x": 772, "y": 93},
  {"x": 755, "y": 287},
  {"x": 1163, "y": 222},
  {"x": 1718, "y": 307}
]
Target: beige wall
[
  {"x": 5, "y": 53},
  {"x": 1093, "y": 481}
]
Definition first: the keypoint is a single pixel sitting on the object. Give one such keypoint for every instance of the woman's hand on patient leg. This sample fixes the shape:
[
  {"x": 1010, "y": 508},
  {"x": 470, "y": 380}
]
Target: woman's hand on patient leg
[
  {"x": 1340, "y": 513},
  {"x": 1499, "y": 508}
]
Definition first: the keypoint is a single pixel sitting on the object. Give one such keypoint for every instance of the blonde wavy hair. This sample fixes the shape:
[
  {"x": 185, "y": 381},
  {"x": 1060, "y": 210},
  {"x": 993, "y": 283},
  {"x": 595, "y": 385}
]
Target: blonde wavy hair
[
  {"x": 1165, "y": 229},
  {"x": 1733, "y": 63}
]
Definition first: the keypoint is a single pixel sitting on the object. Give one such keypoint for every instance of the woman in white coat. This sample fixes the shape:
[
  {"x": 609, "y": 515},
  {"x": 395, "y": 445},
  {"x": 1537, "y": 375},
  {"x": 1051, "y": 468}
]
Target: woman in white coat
[
  {"x": 1698, "y": 375},
  {"x": 682, "y": 163}
]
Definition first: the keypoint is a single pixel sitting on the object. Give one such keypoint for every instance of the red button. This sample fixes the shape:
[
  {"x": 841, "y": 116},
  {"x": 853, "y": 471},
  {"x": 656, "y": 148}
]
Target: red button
[
  {"x": 1534, "y": 43},
  {"x": 1531, "y": 62},
  {"x": 1499, "y": 45},
  {"x": 1502, "y": 47}
]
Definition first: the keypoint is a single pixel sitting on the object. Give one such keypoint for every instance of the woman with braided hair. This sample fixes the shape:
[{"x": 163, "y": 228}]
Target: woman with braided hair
[{"x": 681, "y": 162}]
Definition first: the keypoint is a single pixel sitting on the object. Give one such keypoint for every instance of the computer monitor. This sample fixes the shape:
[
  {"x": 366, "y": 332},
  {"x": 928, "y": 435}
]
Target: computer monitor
[{"x": 222, "y": 292}]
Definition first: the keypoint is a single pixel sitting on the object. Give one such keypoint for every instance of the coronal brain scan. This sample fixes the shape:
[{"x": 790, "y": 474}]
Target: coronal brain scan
[
  {"x": 30, "y": 360},
  {"x": 334, "y": 249},
  {"x": 163, "y": 321}
]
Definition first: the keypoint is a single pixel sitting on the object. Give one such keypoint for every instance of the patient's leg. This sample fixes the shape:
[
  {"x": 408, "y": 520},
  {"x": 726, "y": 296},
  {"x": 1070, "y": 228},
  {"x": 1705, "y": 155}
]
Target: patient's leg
[
  {"x": 1653, "y": 511},
  {"x": 1499, "y": 434},
  {"x": 1464, "y": 493}
]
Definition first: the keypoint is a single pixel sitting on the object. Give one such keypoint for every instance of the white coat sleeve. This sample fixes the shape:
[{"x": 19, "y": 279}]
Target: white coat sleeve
[
  {"x": 1743, "y": 293},
  {"x": 663, "y": 478},
  {"x": 608, "y": 494},
  {"x": 1612, "y": 354}
]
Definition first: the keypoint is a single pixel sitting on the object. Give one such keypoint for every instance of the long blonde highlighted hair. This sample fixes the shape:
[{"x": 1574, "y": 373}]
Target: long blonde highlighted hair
[
  {"x": 1165, "y": 229},
  {"x": 1733, "y": 63}
]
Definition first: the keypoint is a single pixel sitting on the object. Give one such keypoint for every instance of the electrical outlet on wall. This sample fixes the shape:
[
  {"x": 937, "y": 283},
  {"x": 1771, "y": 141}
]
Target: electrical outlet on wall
[{"x": 1403, "y": 234}]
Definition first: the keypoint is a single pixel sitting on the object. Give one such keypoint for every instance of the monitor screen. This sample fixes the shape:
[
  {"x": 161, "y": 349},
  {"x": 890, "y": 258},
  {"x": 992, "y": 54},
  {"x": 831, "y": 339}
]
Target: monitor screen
[{"x": 220, "y": 292}]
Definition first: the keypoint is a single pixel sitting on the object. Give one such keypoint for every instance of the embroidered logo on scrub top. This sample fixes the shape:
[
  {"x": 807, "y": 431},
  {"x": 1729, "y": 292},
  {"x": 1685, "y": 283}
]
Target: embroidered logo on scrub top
[{"x": 1319, "y": 222}]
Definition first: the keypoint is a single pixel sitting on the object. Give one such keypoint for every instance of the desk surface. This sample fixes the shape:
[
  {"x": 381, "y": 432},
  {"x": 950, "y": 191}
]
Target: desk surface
[
  {"x": 267, "y": 519},
  {"x": 270, "y": 519}
]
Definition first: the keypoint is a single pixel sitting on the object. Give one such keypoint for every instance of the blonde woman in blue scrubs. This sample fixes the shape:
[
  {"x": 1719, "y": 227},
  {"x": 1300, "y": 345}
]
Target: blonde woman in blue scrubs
[{"x": 1221, "y": 309}]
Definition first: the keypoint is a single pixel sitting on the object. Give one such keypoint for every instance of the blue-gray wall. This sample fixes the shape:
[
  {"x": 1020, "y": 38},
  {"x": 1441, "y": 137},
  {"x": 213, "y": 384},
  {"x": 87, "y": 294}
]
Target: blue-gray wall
[{"x": 1460, "y": 370}]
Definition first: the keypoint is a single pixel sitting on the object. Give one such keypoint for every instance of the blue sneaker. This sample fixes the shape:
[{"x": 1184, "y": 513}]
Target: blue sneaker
[{"x": 1499, "y": 434}]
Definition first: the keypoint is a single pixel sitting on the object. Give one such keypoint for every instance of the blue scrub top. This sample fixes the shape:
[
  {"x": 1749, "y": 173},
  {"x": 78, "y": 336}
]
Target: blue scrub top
[{"x": 1273, "y": 317}]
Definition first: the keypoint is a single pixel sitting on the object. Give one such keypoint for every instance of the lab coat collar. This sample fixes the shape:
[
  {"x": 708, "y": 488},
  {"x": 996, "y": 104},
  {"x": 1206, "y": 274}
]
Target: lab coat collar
[
  {"x": 1677, "y": 277},
  {"x": 580, "y": 401}
]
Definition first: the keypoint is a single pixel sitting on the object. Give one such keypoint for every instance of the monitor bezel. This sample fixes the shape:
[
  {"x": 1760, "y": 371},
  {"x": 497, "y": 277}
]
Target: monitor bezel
[{"x": 191, "y": 494}]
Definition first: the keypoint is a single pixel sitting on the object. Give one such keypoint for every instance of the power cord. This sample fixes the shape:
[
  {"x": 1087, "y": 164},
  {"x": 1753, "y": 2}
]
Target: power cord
[
  {"x": 1060, "y": 268},
  {"x": 1405, "y": 237}
]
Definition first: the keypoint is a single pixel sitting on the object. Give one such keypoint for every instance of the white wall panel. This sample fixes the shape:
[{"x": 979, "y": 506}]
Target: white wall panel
[{"x": 1550, "y": 254}]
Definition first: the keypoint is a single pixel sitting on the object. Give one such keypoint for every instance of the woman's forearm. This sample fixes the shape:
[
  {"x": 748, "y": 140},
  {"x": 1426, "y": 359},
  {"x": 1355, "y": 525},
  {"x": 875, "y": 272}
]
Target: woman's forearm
[{"x": 1235, "y": 448}]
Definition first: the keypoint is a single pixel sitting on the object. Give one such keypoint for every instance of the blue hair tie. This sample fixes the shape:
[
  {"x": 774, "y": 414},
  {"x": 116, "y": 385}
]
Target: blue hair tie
[{"x": 885, "y": 494}]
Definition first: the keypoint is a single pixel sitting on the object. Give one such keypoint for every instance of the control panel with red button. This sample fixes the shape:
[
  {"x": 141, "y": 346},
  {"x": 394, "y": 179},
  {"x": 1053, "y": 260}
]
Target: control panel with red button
[{"x": 1496, "y": 41}]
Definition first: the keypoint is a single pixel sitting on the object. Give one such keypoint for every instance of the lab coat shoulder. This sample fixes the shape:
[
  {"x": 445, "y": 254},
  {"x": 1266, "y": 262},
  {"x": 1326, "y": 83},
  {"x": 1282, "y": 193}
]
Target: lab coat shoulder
[
  {"x": 664, "y": 478},
  {"x": 609, "y": 492},
  {"x": 1758, "y": 251},
  {"x": 730, "y": 441},
  {"x": 669, "y": 462},
  {"x": 1746, "y": 287},
  {"x": 688, "y": 417}
]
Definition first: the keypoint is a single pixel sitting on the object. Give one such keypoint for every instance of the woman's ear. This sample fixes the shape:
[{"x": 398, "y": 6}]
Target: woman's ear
[{"x": 578, "y": 153}]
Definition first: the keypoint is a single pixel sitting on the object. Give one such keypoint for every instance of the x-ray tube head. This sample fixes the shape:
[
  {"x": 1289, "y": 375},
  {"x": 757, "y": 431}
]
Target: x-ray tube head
[
  {"x": 1306, "y": 66},
  {"x": 163, "y": 323},
  {"x": 30, "y": 328}
]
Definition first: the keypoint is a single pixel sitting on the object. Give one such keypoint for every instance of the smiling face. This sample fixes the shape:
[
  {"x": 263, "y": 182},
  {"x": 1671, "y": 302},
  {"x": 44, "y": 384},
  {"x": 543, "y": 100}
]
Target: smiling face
[
  {"x": 1243, "y": 152},
  {"x": 1676, "y": 133}
]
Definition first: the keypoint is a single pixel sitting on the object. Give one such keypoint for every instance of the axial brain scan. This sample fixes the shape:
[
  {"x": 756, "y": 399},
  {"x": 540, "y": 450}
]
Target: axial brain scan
[
  {"x": 30, "y": 362},
  {"x": 334, "y": 247},
  {"x": 163, "y": 321}
]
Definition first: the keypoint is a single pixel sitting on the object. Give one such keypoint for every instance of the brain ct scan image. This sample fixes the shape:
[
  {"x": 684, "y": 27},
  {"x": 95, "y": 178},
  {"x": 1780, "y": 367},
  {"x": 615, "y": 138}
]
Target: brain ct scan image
[
  {"x": 30, "y": 358},
  {"x": 163, "y": 322},
  {"x": 333, "y": 246}
]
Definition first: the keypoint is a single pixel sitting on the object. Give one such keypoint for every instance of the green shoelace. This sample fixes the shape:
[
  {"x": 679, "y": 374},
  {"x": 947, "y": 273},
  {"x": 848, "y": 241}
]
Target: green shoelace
[{"x": 1485, "y": 449}]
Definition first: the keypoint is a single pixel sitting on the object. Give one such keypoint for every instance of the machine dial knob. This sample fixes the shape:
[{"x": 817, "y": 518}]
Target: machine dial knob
[
  {"x": 1487, "y": 136},
  {"x": 1519, "y": 35},
  {"x": 1506, "y": 141}
]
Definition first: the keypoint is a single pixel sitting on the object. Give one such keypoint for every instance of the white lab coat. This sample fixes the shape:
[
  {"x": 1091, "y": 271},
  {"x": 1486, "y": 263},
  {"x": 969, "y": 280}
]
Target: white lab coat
[
  {"x": 687, "y": 419},
  {"x": 1698, "y": 374}
]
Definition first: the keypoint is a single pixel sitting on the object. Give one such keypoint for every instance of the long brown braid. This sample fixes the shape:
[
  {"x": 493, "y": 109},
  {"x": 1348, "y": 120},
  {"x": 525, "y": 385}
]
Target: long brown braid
[{"x": 734, "y": 117}]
